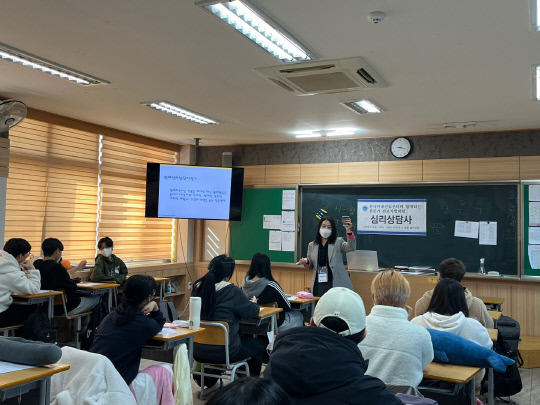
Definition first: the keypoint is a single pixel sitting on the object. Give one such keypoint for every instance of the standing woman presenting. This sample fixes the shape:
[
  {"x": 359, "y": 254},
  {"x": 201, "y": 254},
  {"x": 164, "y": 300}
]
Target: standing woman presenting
[{"x": 324, "y": 256}]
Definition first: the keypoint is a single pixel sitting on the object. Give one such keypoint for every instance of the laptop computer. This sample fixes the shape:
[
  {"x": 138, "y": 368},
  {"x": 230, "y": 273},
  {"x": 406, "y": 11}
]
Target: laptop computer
[{"x": 363, "y": 260}]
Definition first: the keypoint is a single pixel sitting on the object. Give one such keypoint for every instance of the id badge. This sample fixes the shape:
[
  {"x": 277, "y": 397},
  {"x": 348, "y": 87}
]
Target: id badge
[{"x": 322, "y": 274}]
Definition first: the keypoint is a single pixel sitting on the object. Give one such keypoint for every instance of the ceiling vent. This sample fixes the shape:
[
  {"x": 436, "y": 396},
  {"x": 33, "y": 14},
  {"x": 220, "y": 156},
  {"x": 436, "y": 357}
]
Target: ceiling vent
[{"x": 324, "y": 77}]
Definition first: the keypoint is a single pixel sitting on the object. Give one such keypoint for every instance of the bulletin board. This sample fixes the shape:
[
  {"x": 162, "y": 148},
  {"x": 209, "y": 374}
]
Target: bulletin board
[{"x": 248, "y": 235}]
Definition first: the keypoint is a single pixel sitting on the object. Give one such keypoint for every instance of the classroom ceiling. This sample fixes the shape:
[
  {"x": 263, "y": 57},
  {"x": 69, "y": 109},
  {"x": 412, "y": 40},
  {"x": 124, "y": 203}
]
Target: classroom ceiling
[{"x": 444, "y": 61}]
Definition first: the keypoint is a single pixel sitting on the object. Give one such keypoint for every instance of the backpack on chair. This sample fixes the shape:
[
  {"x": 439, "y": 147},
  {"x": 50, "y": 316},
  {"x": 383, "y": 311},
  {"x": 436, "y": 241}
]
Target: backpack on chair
[
  {"x": 169, "y": 310},
  {"x": 507, "y": 383},
  {"x": 38, "y": 326}
]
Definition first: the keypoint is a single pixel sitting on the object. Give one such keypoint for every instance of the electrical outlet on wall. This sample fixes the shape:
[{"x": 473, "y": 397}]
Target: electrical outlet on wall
[{"x": 189, "y": 285}]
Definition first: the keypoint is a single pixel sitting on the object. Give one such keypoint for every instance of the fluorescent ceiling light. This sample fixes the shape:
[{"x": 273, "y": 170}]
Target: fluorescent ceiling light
[
  {"x": 362, "y": 107},
  {"x": 259, "y": 28},
  {"x": 35, "y": 62},
  {"x": 535, "y": 15},
  {"x": 181, "y": 112},
  {"x": 322, "y": 133}
]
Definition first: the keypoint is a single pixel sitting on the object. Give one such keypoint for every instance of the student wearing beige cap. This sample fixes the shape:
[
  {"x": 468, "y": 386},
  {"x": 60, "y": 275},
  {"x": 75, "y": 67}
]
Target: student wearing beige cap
[{"x": 322, "y": 364}]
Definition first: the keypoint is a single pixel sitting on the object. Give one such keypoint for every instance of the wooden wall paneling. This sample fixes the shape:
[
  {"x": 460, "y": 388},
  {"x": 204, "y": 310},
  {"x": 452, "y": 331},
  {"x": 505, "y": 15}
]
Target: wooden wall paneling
[
  {"x": 479, "y": 288},
  {"x": 319, "y": 173},
  {"x": 400, "y": 171},
  {"x": 498, "y": 168},
  {"x": 254, "y": 175},
  {"x": 358, "y": 172},
  {"x": 445, "y": 169},
  {"x": 529, "y": 167},
  {"x": 525, "y": 303},
  {"x": 282, "y": 174}
]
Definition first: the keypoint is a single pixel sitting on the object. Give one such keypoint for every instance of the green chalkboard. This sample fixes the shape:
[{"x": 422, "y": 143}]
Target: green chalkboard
[
  {"x": 248, "y": 236},
  {"x": 527, "y": 268},
  {"x": 446, "y": 203}
]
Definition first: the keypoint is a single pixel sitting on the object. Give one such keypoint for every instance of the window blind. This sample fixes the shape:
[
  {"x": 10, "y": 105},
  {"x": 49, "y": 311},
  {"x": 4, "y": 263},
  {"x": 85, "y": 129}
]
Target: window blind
[
  {"x": 122, "y": 201},
  {"x": 52, "y": 187}
]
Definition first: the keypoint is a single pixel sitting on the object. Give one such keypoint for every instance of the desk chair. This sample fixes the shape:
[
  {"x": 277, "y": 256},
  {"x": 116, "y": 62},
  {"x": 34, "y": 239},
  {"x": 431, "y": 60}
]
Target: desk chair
[
  {"x": 61, "y": 300},
  {"x": 217, "y": 333}
]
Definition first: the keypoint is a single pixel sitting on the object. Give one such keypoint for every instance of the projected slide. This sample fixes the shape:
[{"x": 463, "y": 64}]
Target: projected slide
[{"x": 194, "y": 192}]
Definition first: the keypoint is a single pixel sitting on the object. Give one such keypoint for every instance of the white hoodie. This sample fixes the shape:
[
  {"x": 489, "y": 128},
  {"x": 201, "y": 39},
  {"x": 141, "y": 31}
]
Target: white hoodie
[
  {"x": 457, "y": 324},
  {"x": 13, "y": 280}
]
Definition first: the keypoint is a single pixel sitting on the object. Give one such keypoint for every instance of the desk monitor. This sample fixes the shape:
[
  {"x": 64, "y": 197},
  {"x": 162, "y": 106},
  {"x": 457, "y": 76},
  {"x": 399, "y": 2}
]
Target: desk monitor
[{"x": 363, "y": 260}]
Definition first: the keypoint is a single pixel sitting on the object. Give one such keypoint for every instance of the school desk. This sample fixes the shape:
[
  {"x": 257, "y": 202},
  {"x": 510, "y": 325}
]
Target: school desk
[
  {"x": 497, "y": 302},
  {"x": 492, "y": 334},
  {"x": 161, "y": 285},
  {"x": 20, "y": 382},
  {"x": 459, "y": 375},
  {"x": 101, "y": 289},
  {"x": 167, "y": 341},
  {"x": 495, "y": 315},
  {"x": 39, "y": 298},
  {"x": 266, "y": 315},
  {"x": 304, "y": 303}
]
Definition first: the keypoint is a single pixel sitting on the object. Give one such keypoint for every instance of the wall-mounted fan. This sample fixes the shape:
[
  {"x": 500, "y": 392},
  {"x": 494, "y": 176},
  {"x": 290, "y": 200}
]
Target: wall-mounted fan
[{"x": 12, "y": 112}]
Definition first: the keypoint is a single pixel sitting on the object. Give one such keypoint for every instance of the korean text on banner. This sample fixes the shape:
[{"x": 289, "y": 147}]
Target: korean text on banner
[{"x": 392, "y": 216}]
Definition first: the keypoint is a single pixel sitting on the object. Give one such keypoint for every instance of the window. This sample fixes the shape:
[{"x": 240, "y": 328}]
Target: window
[
  {"x": 52, "y": 187},
  {"x": 79, "y": 186},
  {"x": 122, "y": 200}
]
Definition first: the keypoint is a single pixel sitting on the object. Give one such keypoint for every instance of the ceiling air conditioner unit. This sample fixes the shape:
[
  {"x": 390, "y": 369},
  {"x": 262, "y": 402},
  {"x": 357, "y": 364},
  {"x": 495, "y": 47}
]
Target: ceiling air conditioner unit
[{"x": 324, "y": 77}]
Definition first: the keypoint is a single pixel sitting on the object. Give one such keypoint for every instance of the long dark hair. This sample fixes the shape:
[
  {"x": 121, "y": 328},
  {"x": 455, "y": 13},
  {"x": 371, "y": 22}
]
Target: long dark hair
[
  {"x": 136, "y": 289},
  {"x": 220, "y": 268},
  {"x": 332, "y": 238},
  {"x": 448, "y": 298},
  {"x": 249, "y": 391},
  {"x": 260, "y": 267}
]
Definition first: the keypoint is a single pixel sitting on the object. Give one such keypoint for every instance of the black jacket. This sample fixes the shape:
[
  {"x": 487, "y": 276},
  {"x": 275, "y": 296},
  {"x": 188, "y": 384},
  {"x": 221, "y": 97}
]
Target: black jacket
[
  {"x": 121, "y": 340},
  {"x": 267, "y": 292},
  {"x": 231, "y": 306},
  {"x": 316, "y": 366},
  {"x": 55, "y": 276}
]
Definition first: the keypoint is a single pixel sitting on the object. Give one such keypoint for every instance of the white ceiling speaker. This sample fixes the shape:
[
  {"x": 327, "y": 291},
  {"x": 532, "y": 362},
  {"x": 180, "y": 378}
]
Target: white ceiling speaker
[
  {"x": 12, "y": 112},
  {"x": 324, "y": 77}
]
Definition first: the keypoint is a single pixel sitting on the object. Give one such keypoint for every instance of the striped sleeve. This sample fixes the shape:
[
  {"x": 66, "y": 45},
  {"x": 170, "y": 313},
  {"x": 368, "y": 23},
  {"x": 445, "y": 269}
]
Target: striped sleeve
[{"x": 280, "y": 292}]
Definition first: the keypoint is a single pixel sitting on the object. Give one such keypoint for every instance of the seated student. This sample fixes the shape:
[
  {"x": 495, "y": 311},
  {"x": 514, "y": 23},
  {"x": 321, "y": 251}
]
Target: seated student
[
  {"x": 108, "y": 267},
  {"x": 54, "y": 276},
  {"x": 397, "y": 349},
  {"x": 122, "y": 334},
  {"x": 251, "y": 391},
  {"x": 223, "y": 301},
  {"x": 322, "y": 364},
  {"x": 455, "y": 269},
  {"x": 260, "y": 284},
  {"x": 448, "y": 311},
  {"x": 17, "y": 275}
]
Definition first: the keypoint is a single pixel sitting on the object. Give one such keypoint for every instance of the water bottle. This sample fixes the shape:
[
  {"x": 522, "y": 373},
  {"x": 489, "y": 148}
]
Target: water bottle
[
  {"x": 195, "y": 313},
  {"x": 482, "y": 269}
]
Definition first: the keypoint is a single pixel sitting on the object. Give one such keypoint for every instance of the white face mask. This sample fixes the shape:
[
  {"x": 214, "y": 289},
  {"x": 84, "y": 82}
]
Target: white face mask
[
  {"x": 325, "y": 233},
  {"x": 107, "y": 252}
]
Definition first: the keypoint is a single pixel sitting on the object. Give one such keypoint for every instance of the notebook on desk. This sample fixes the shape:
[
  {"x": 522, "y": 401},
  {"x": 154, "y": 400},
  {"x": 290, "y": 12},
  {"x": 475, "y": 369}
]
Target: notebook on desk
[{"x": 363, "y": 260}]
